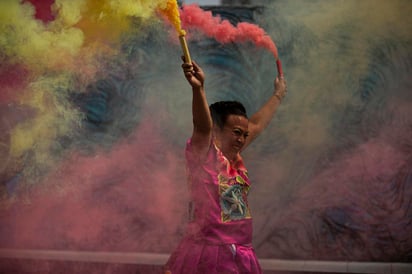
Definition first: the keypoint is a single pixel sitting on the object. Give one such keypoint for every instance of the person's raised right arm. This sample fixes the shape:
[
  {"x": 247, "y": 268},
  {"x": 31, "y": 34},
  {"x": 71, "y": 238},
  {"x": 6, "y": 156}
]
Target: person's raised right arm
[{"x": 202, "y": 121}]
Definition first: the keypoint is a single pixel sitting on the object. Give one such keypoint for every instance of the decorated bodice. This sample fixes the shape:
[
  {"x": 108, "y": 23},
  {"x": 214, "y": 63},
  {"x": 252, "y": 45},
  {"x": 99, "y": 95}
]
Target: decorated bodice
[{"x": 219, "y": 207}]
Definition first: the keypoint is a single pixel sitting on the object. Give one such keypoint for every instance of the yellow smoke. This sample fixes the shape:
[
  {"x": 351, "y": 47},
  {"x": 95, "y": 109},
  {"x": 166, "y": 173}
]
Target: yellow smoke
[
  {"x": 53, "y": 118},
  {"x": 171, "y": 11},
  {"x": 61, "y": 53},
  {"x": 28, "y": 41},
  {"x": 55, "y": 45}
]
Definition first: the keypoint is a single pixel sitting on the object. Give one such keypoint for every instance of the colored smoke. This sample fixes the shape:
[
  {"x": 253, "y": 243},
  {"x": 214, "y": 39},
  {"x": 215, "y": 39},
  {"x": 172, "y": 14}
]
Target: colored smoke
[
  {"x": 193, "y": 17},
  {"x": 95, "y": 112}
]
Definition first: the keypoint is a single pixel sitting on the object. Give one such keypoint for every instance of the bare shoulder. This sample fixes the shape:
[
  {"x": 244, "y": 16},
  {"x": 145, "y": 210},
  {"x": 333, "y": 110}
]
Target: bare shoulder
[{"x": 201, "y": 144}]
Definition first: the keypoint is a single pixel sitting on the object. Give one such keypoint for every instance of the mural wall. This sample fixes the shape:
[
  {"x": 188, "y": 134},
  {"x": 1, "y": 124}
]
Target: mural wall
[{"x": 95, "y": 112}]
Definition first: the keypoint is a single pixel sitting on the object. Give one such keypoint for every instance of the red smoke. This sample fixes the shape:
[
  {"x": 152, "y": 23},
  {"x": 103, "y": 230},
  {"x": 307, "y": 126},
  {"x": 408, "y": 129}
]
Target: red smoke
[
  {"x": 192, "y": 16},
  {"x": 43, "y": 9},
  {"x": 13, "y": 76}
]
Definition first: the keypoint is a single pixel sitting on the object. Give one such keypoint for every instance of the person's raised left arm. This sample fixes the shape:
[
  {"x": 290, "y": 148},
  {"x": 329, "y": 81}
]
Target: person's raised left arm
[{"x": 261, "y": 119}]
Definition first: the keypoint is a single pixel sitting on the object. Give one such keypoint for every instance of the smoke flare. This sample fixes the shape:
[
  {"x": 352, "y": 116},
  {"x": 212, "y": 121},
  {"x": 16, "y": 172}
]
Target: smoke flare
[{"x": 193, "y": 17}]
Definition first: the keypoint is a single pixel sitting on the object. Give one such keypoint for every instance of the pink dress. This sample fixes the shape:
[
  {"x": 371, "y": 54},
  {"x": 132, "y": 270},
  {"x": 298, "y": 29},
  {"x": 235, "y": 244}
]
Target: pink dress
[{"x": 219, "y": 235}]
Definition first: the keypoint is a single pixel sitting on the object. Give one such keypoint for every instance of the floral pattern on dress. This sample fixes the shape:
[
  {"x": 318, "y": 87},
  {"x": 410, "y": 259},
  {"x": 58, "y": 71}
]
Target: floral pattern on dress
[
  {"x": 233, "y": 203},
  {"x": 233, "y": 189}
]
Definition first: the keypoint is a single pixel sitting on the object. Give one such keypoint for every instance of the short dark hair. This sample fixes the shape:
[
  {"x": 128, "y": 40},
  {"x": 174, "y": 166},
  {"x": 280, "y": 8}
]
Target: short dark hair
[{"x": 222, "y": 109}]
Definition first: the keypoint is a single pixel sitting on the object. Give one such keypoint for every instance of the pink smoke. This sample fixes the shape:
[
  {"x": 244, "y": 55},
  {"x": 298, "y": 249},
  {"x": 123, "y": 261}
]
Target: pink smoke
[
  {"x": 110, "y": 200},
  {"x": 43, "y": 9},
  {"x": 193, "y": 17}
]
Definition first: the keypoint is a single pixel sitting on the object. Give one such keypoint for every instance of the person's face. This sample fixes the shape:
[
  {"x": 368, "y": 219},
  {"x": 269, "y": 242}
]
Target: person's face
[{"x": 232, "y": 137}]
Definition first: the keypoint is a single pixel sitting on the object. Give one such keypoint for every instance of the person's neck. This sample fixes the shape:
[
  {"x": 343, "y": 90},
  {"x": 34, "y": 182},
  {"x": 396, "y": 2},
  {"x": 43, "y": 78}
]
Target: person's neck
[{"x": 232, "y": 157}]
